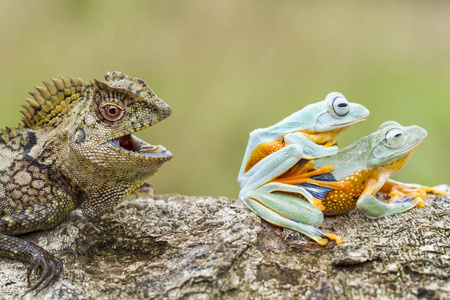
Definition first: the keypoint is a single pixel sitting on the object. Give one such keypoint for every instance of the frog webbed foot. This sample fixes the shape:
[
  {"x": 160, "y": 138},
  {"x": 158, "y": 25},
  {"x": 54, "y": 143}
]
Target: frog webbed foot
[
  {"x": 50, "y": 265},
  {"x": 397, "y": 191}
]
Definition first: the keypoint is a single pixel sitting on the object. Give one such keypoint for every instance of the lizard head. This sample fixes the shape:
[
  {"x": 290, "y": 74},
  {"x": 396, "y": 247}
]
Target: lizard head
[
  {"x": 101, "y": 138},
  {"x": 117, "y": 108},
  {"x": 89, "y": 127}
]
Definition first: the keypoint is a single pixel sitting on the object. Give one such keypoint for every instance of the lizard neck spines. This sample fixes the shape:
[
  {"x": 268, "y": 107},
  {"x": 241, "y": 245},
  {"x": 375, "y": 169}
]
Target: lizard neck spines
[{"x": 53, "y": 101}]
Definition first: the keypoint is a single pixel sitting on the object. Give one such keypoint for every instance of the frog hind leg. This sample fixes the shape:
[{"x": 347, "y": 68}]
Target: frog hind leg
[
  {"x": 293, "y": 189},
  {"x": 315, "y": 183},
  {"x": 289, "y": 211}
]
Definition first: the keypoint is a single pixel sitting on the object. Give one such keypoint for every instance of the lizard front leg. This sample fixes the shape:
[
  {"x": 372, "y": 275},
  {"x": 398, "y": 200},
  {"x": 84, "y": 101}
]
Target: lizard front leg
[
  {"x": 35, "y": 217},
  {"x": 36, "y": 256}
]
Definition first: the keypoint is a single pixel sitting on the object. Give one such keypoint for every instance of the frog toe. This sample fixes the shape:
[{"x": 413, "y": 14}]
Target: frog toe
[
  {"x": 408, "y": 199},
  {"x": 334, "y": 237}
]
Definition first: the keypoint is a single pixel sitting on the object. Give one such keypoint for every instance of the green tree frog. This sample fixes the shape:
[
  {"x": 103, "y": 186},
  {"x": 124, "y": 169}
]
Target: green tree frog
[{"x": 308, "y": 133}]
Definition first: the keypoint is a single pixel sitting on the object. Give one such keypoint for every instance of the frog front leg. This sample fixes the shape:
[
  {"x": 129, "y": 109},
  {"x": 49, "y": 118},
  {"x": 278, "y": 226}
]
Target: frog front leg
[
  {"x": 297, "y": 146},
  {"x": 289, "y": 211},
  {"x": 373, "y": 208}
]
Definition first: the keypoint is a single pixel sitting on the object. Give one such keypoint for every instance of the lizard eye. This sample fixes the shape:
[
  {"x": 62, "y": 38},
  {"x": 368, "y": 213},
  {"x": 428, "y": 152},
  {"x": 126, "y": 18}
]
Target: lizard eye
[
  {"x": 339, "y": 106},
  {"x": 111, "y": 112},
  {"x": 394, "y": 138}
]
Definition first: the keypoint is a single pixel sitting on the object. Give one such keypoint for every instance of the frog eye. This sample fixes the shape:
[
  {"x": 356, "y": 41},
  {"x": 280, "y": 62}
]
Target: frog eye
[
  {"x": 111, "y": 112},
  {"x": 339, "y": 106},
  {"x": 394, "y": 138}
]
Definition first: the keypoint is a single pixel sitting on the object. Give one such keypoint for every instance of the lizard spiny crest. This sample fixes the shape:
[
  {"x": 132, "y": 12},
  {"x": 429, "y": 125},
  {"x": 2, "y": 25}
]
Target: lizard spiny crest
[{"x": 51, "y": 102}]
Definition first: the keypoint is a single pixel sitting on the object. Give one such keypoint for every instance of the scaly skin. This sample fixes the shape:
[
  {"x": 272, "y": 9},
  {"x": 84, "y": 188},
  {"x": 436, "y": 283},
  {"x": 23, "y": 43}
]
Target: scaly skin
[{"x": 75, "y": 149}]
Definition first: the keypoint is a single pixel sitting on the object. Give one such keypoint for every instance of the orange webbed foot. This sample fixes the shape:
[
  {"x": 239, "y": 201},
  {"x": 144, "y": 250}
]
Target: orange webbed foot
[{"x": 398, "y": 191}]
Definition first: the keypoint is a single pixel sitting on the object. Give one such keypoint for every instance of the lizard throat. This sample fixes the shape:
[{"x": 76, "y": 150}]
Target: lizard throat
[{"x": 132, "y": 145}]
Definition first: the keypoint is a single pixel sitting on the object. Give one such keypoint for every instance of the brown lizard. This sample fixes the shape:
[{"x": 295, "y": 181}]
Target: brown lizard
[{"x": 75, "y": 149}]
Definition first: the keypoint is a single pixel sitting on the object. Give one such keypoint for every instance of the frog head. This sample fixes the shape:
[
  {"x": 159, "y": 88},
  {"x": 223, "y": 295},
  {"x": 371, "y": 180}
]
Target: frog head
[
  {"x": 333, "y": 113},
  {"x": 393, "y": 144}
]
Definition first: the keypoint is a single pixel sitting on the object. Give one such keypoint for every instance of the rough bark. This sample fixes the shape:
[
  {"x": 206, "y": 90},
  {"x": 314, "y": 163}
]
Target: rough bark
[{"x": 173, "y": 246}]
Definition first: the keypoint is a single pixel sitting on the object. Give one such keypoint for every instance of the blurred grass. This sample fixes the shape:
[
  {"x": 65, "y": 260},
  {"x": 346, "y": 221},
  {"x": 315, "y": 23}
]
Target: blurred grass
[{"x": 228, "y": 67}]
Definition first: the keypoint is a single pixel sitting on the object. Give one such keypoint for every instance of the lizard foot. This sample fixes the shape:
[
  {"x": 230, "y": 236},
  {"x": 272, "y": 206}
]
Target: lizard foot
[
  {"x": 145, "y": 190},
  {"x": 50, "y": 266},
  {"x": 65, "y": 251}
]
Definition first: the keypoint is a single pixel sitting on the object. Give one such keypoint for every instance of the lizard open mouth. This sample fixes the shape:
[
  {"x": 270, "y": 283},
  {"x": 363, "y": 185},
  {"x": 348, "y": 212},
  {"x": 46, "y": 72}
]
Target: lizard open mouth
[{"x": 132, "y": 145}]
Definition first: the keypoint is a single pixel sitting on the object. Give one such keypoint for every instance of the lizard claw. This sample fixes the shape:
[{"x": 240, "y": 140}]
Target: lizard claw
[{"x": 51, "y": 267}]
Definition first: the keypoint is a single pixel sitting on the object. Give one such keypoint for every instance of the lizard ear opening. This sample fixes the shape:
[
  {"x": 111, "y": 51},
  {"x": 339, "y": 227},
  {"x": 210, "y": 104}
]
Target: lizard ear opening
[{"x": 79, "y": 136}]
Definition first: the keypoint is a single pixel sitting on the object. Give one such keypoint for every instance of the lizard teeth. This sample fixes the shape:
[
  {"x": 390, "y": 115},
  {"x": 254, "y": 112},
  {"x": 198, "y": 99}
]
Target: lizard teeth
[
  {"x": 152, "y": 149},
  {"x": 116, "y": 142},
  {"x": 132, "y": 145}
]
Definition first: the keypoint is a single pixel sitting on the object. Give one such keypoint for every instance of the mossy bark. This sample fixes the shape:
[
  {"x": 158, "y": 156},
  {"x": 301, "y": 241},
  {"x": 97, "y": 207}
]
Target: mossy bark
[{"x": 173, "y": 246}]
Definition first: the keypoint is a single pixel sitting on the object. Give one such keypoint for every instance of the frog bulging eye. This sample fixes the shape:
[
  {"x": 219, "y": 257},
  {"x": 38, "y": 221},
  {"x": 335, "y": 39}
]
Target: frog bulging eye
[
  {"x": 339, "y": 106},
  {"x": 111, "y": 112},
  {"x": 394, "y": 138}
]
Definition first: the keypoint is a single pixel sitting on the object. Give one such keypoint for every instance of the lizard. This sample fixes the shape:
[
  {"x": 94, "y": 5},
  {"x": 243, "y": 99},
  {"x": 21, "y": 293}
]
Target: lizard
[{"x": 74, "y": 149}]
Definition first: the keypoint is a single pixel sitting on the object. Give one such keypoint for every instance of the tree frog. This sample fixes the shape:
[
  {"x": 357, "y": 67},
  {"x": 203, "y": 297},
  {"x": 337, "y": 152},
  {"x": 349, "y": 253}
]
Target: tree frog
[
  {"x": 364, "y": 168},
  {"x": 308, "y": 133}
]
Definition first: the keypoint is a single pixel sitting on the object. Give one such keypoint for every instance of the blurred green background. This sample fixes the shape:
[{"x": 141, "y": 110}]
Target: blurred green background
[{"x": 227, "y": 67}]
